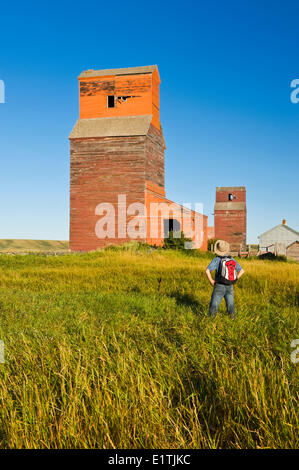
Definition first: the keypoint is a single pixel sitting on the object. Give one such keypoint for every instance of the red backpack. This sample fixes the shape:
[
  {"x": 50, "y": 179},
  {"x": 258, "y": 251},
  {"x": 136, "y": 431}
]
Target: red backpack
[{"x": 227, "y": 273}]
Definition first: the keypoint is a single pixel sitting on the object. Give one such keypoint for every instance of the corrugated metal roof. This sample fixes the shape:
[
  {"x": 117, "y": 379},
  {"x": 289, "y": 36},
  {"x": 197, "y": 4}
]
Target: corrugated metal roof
[
  {"x": 123, "y": 71},
  {"x": 111, "y": 126}
]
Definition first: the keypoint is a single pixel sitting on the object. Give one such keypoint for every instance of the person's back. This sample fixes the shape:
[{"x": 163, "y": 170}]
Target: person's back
[{"x": 228, "y": 271}]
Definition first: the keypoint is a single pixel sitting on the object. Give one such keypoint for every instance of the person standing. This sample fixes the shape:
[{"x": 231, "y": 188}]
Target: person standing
[{"x": 228, "y": 271}]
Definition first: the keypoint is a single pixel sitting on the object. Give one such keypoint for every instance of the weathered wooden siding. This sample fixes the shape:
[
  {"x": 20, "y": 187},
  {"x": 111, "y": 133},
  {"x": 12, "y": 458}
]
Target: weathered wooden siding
[
  {"x": 156, "y": 99},
  {"x": 139, "y": 89},
  {"x": 154, "y": 166},
  {"x": 101, "y": 169},
  {"x": 211, "y": 233},
  {"x": 166, "y": 209},
  {"x": 230, "y": 217},
  {"x": 293, "y": 251}
]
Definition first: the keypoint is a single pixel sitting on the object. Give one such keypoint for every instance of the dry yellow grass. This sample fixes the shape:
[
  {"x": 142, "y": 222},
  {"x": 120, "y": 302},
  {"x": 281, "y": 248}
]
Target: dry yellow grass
[
  {"x": 27, "y": 246},
  {"x": 98, "y": 356}
]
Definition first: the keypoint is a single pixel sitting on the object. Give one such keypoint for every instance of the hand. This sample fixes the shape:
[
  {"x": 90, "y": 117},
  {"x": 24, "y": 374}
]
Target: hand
[{"x": 212, "y": 282}]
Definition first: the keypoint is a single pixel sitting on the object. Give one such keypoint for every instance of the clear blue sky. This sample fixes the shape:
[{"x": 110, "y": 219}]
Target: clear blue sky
[{"x": 225, "y": 66}]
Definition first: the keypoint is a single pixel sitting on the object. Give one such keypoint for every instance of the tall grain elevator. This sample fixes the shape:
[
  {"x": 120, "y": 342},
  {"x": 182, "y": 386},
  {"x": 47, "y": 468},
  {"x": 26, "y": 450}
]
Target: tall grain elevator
[{"x": 117, "y": 149}]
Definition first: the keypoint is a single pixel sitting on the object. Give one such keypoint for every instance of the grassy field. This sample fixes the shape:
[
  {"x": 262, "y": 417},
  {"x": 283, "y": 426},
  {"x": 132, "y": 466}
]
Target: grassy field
[
  {"x": 98, "y": 355},
  {"x": 17, "y": 246}
]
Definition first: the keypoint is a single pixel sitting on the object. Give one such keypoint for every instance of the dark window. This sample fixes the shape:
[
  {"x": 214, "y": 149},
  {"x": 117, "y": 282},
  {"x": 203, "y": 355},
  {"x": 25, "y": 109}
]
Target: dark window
[
  {"x": 231, "y": 197},
  {"x": 171, "y": 225},
  {"x": 111, "y": 101}
]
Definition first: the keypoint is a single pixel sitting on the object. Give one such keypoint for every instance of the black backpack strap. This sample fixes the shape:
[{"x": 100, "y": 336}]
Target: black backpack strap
[{"x": 218, "y": 274}]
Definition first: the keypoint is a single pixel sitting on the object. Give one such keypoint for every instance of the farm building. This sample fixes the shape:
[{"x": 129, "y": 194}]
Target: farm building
[
  {"x": 211, "y": 233},
  {"x": 292, "y": 251},
  {"x": 117, "y": 190},
  {"x": 280, "y": 236}
]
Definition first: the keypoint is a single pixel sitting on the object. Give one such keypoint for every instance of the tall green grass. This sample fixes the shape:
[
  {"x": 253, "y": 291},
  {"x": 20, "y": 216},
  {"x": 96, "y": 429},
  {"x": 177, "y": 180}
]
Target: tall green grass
[{"x": 100, "y": 353}]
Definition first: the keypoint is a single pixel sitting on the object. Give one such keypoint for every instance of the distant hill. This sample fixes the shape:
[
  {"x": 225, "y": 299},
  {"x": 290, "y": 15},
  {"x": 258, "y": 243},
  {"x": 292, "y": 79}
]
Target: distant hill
[{"x": 14, "y": 246}]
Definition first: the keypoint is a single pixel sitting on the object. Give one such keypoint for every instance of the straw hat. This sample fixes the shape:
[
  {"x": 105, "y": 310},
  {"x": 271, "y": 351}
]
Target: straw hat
[{"x": 221, "y": 248}]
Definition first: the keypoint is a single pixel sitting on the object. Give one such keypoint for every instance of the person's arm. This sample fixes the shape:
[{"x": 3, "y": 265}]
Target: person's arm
[
  {"x": 240, "y": 273},
  {"x": 212, "y": 266},
  {"x": 240, "y": 270},
  {"x": 208, "y": 274}
]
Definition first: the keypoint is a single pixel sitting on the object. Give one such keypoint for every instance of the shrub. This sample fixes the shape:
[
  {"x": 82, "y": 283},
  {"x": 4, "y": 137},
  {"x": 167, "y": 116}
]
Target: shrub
[
  {"x": 272, "y": 257},
  {"x": 176, "y": 241},
  {"x": 211, "y": 242}
]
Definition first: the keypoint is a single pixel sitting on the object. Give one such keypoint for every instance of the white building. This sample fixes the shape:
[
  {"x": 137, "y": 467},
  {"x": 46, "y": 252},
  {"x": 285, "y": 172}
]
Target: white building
[{"x": 281, "y": 235}]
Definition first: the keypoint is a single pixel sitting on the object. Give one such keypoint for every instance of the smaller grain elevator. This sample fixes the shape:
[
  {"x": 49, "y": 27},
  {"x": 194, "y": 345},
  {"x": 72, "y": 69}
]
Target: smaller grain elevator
[{"x": 230, "y": 216}]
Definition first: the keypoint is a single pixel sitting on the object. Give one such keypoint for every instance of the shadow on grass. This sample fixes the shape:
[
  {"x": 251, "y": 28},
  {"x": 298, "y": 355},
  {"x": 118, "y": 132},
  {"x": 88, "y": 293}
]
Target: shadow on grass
[{"x": 188, "y": 300}]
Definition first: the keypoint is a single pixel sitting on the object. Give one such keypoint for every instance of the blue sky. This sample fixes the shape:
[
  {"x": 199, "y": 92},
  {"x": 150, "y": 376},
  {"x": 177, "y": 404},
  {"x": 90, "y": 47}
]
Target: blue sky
[{"x": 225, "y": 67}]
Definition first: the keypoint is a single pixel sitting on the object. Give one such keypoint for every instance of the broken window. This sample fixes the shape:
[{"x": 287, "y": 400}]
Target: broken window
[
  {"x": 124, "y": 98},
  {"x": 171, "y": 225},
  {"x": 111, "y": 101},
  {"x": 231, "y": 197}
]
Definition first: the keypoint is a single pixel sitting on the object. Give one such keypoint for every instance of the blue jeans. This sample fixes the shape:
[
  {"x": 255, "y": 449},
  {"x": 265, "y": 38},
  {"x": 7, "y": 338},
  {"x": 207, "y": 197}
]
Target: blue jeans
[{"x": 220, "y": 291}]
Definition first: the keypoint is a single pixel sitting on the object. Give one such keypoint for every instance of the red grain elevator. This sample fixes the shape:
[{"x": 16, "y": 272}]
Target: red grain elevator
[
  {"x": 117, "y": 149},
  {"x": 230, "y": 216}
]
